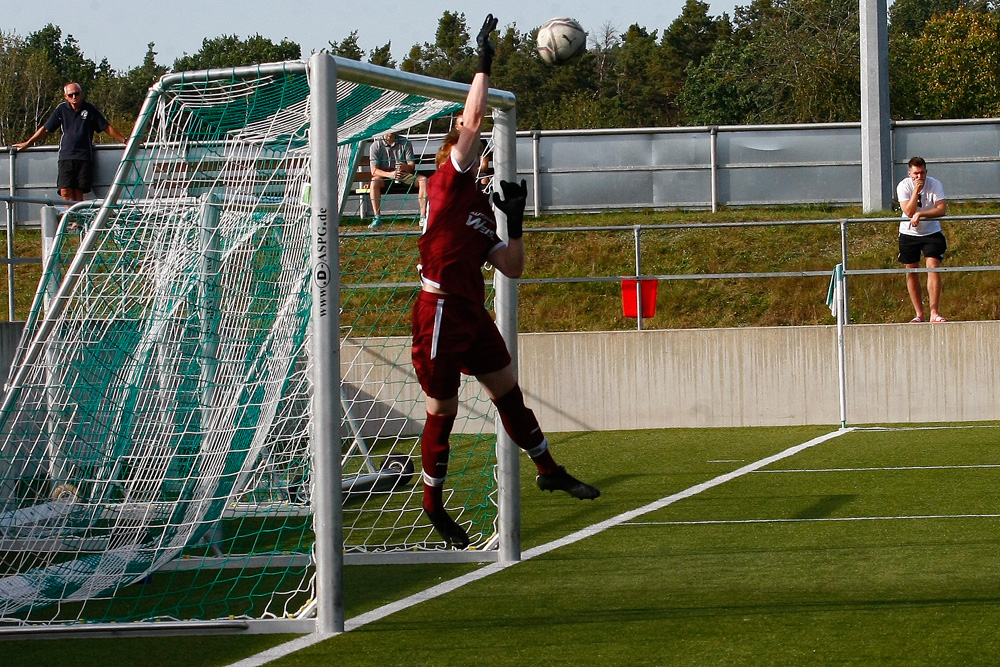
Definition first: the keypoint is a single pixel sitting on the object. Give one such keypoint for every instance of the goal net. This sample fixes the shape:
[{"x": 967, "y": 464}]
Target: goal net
[{"x": 156, "y": 431}]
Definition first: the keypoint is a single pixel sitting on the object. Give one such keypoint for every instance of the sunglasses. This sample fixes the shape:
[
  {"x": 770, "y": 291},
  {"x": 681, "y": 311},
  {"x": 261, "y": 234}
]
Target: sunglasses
[{"x": 73, "y": 94}]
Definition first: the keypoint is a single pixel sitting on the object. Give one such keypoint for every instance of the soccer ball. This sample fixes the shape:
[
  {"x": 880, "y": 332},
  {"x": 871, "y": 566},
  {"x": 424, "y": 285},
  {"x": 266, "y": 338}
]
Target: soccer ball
[{"x": 559, "y": 40}]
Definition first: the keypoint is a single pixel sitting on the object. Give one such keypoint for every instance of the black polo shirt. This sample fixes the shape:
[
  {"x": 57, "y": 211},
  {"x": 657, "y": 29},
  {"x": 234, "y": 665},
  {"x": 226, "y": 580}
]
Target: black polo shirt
[{"x": 78, "y": 128}]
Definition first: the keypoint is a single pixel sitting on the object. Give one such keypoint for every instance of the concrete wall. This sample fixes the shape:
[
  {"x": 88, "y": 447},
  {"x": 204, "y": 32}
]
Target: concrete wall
[
  {"x": 761, "y": 376},
  {"x": 896, "y": 373}
]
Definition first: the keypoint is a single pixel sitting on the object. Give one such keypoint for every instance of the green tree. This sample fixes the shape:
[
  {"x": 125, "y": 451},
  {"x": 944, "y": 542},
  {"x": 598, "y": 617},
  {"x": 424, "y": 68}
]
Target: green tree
[
  {"x": 348, "y": 47},
  {"x": 692, "y": 35},
  {"x": 638, "y": 97},
  {"x": 27, "y": 81},
  {"x": 786, "y": 61},
  {"x": 907, "y": 20},
  {"x": 120, "y": 95},
  {"x": 718, "y": 91},
  {"x": 65, "y": 55},
  {"x": 957, "y": 65},
  {"x": 231, "y": 51},
  {"x": 450, "y": 56},
  {"x": 382, "y": 56},
  {"x": 907, "y": 17}
]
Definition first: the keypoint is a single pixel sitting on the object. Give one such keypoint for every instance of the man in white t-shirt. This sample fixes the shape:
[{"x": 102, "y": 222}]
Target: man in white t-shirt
[{"x": 923, "y": 201}]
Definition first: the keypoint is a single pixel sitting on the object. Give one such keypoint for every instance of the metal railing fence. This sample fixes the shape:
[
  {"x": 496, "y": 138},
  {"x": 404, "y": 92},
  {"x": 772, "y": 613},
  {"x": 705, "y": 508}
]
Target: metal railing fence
[{"x": 842, "y": 223}]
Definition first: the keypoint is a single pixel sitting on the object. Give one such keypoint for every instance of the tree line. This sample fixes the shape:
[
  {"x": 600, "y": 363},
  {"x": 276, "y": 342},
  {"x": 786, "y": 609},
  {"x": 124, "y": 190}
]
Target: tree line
[{"x": 772, "y": 61}]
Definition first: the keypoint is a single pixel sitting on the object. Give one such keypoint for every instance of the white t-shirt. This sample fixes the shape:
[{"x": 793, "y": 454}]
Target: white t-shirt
[{"x": 932, "y": 193}]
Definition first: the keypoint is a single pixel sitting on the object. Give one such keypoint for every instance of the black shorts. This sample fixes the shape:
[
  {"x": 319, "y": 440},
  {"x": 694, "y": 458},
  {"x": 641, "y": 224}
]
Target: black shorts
[
  {"x": 75, "y": 175},
  {"x": 931, "y": 245}
]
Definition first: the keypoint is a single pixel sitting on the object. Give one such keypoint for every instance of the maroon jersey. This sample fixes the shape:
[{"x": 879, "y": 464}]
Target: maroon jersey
[{"x": 460, "y": 234}]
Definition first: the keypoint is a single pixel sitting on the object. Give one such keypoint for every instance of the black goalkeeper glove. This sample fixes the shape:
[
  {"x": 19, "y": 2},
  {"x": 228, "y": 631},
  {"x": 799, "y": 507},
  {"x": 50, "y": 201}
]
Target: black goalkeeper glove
[
  {"x": 486, "y": 50},
  {"x": 512, "y": 204}
]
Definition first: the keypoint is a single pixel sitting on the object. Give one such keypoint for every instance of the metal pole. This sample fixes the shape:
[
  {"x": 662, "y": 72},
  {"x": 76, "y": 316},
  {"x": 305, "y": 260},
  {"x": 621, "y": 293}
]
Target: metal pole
[
  {"x": 876, "y": 159},
  {"x": 843, "y": 264},
  {"x": 12, "y": 163},
  {"x": 841, "y": 354},
  {"x": 636, "y": 233},
  {"x": 713, "y": 150},
  {"x": 508, "y": 463},
  {"x": 536, "y": 138},
  {"x": 326, "y": 467},
  {"x": 50, "y": 225}
]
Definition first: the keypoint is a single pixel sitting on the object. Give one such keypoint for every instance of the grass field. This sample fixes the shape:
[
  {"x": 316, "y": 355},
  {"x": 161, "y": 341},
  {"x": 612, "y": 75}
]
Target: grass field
[{"x": 874, "y": 546}]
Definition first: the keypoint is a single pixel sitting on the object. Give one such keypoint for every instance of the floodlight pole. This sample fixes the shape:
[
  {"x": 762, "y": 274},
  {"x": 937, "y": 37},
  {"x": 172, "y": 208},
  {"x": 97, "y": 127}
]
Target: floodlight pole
[
  {"x": 508, "y": 464},
  {"x": 326, "y": 492},
  {"x": 876, "y": 151}
]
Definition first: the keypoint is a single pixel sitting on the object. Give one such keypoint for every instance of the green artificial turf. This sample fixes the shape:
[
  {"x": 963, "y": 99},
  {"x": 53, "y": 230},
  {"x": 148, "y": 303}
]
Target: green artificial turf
[{"x": 864, "y": 549}]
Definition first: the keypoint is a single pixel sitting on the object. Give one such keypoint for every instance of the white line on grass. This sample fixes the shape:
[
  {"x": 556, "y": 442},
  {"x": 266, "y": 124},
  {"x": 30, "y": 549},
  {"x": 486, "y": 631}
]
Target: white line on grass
[
  {"x": 923, "y": 428},
  {"x": 957, "y": 467},
  {"x": 716, "y": 522},
  {"x": 361, "y": 620}
]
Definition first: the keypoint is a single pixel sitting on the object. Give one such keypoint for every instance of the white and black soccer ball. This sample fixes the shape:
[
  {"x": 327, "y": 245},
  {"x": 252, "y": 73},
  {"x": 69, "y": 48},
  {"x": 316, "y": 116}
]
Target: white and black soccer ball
[{"x": 559, "y": 40}]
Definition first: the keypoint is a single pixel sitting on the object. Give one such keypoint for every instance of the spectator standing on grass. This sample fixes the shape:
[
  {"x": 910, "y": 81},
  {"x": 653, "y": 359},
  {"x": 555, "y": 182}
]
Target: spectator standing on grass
[
  {"x": 923, "y": 201},
  {"x": 390, "y": 159},
  {"x": 453, "y": 332},
  {"x": 79, "y": 121}
]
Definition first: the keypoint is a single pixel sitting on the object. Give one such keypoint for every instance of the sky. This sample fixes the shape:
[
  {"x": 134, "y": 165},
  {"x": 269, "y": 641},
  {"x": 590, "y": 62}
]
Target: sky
[{"x": 120, "y": 30}]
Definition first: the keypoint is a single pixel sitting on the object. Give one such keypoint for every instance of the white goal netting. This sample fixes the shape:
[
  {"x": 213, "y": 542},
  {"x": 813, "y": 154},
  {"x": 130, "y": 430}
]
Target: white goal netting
[{"x": 155, "y": 430}]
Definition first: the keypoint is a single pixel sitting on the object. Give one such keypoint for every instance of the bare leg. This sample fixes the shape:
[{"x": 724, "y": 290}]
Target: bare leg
[
  {"x": 448, "y": 406},
  {"x": 934, "y": 287},
  {"x": 72, "y": 194},
  {"x": 498, "y": 383},
  {"x": 375, "y": 193},
  {"x": 913, "y": 287},
  {"x": 422, "y": 195}
]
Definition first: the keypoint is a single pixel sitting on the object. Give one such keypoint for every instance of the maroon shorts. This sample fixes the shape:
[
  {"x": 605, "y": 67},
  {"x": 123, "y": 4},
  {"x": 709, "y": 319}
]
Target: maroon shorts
[{"x": 452, "y": 336}]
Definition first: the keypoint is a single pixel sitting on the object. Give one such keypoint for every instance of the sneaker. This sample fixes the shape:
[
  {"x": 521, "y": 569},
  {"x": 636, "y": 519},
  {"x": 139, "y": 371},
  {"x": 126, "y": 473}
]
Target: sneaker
[
  {"x": 376, "y": 221},
  {"x": 561, "y": 480},
  {"x": 454, "y": 535}
]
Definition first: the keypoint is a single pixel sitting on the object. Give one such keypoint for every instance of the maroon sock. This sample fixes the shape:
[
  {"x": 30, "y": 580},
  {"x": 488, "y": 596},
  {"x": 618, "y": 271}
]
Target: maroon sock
[
  {"x": 522, "y": 427},
  {"x": 434, "y": 456}
]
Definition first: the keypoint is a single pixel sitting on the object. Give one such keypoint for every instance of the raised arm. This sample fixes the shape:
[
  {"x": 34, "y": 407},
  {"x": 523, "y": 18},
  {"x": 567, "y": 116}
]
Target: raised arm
[{"x": 467, "y": 148}]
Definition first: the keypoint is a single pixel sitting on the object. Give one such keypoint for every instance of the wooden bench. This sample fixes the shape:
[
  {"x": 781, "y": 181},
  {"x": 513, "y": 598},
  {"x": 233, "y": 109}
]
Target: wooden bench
[{"x": 361, "y": 183}]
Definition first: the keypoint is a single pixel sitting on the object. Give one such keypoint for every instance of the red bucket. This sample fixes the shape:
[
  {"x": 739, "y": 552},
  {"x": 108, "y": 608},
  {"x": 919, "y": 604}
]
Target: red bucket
[{"x": 648, "y": 297}]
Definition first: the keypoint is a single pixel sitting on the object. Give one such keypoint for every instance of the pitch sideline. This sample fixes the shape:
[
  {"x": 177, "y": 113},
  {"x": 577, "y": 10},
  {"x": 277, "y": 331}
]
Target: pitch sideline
[{"x": 361, "y": 620}]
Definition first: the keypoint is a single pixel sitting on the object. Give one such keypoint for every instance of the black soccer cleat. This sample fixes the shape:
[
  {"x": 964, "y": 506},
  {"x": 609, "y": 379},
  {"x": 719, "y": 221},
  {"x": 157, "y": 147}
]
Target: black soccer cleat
[
  {"x": 561, "y": 480},
  {"x": 454, "y": 535}
]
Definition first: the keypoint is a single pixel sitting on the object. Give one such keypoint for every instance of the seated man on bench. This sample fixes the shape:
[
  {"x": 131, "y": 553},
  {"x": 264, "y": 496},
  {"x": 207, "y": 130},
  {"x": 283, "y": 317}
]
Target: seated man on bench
[{"x": 391, "y": 162}]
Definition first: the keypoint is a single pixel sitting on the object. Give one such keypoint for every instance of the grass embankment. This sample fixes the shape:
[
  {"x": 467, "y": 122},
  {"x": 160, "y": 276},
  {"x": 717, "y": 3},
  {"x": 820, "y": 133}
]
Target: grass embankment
[
  {"x": 746, "y": 302},
  {"x": 705, "y": 303}
]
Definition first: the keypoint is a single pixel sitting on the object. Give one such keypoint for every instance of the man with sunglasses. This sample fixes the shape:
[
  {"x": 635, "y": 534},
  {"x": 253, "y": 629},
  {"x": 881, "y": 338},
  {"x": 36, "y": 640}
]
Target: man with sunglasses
[
  {"x": 79, "y": 121},
  {"x": 922, "y": 199}
]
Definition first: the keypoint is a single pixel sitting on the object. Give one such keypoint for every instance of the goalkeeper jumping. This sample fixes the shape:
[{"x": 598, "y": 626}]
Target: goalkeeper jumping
[{"x": 453, "y": 332}]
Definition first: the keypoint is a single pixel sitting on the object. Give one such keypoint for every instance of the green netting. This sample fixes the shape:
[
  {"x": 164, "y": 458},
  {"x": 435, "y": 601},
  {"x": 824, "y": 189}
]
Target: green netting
[{"x": 155, "y": 434}]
